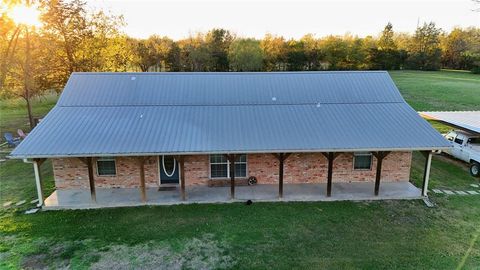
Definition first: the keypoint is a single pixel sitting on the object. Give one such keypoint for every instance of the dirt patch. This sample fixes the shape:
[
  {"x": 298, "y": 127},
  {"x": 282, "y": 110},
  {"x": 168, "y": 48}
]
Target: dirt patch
[
  {"x": 37, "y": 261},
  {"x": 50, "y": 255},
  {"x": 197, "y": 253}
]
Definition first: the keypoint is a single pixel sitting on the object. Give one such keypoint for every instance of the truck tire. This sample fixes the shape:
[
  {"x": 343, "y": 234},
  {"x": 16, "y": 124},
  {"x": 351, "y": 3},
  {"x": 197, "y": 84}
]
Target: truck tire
[{"x": 475, "y": 169}]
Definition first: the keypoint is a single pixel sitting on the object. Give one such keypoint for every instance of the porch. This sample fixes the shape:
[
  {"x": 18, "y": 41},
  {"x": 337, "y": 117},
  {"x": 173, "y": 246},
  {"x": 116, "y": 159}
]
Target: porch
[{"x": 122, "y": 197}]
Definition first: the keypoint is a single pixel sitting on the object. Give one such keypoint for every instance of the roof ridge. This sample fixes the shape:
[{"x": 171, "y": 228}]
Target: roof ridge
[
  {"x": 231, "y": 73},
  {"x": 233, "y": 105}
]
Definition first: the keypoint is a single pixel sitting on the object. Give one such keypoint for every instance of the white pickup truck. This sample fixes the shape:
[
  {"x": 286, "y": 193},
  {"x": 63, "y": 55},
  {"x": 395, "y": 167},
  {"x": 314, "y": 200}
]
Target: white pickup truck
[{"x": 466, "y": 146}]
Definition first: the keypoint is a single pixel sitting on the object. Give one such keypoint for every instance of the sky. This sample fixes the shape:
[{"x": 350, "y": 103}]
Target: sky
[{"x": 291, "y": 19}]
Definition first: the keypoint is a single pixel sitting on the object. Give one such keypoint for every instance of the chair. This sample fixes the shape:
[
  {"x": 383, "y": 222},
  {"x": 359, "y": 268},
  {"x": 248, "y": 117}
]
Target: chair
[
  {"x": 21, "y": 134},
  {"x": 12, "y": 141}
]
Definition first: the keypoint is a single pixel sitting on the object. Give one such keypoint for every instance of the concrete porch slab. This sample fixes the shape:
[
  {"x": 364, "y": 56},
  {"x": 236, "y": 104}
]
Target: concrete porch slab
[{"x": 122, "y": 197}]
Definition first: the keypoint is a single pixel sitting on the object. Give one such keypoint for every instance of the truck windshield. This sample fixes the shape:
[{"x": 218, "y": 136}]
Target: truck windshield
[{"x": 450, "y": 136}]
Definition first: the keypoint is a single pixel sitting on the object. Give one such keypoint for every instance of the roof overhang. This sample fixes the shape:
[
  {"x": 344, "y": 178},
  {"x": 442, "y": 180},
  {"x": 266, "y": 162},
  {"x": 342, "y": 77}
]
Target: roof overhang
[
  {"x": 233, "y": 152},
  {"x": 465, "y": 120}
]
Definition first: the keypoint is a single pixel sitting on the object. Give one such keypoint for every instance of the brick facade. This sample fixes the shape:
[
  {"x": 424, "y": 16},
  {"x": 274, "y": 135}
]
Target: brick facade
[
  {"x": 312, "y": 168},
  {"x": 73, "y": 173},
  {"x": 299, "y": 168}
]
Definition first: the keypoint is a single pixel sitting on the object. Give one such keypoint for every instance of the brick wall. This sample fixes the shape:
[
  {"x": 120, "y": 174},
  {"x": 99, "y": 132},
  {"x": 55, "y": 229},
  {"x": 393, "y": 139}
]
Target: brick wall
[
  {"x": 73, "y": 173},
  {"x": 299, "y": 168},
  {"x": 312, "y": 168},
  {"x": 197, "y": 170}
]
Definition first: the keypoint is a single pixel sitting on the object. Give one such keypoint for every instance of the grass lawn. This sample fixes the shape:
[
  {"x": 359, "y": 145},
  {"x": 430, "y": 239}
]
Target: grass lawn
[
  {"x": 439, "y": 91},
  {"x": 331, "y": 235},
  {"x": 13, "y": 113}
]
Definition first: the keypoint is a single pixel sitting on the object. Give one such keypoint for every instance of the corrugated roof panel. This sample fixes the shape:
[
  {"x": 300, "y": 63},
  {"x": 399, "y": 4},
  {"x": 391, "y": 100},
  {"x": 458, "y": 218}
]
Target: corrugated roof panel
[
  {"x": 118, "y": 89},
  {"x": 467, "y": 120},
  {"x": 153, "y": 113},
  {"x": 121, "y": 130}
]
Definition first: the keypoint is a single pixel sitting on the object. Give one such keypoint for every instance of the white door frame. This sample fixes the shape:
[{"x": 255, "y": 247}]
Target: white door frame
[{"x": 177, "y": 167}]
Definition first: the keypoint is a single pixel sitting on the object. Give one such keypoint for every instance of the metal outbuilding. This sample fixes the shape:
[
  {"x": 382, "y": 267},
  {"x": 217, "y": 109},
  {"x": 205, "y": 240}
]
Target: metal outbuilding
[{"x": 465, "y": 120}]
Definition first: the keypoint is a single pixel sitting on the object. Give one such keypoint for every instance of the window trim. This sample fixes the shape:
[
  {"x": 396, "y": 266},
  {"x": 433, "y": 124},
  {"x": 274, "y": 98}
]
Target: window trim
[
  {"x": 106, "y": 159},
  {"x": 355, "y": 154},
  {"x": 228, "y": 168}
]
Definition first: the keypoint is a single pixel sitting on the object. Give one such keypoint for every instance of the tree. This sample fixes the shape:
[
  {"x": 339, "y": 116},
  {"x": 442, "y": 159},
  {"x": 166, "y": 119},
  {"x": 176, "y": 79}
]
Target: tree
[
  {"x": 218, "y": 43},
  {"x": 9, "y": 34},
  {"x": 453, "y": 46},
  {"x": 386, "y": 41},
  {"x": 425, "y": 53},
  {"x": 174, "y": 57},
  {"x": 245, "y": 55},
  {"x": 461, "y": 48},
  {"x": 274, "y": 52},
  {"x": 99, "y": 51},
  {"x": 335, "y": 49},
  {"x": 83, "y": 38},
  {"x": 142, "y": 55},
  {"x": 296, "y": 58},
  {"x": 161, "y": 48},
  {"x": 154, "y": 52},
  {"x": 313, "y": 53},
  {"x": 22, "y": 71},
  {"x": 29, "y": 73},
  {"x": 66, "y": 24},
  {"x": 386, "y": 54},
  {"x": 194, "y": 54}
]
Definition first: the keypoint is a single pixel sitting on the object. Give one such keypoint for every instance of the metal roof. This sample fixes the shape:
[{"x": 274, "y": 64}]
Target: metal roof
[
  {"x": 466, "y": 120},
  {"x": 102, "y": 114}
]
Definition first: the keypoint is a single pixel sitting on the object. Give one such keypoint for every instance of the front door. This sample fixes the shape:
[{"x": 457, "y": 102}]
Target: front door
[{"x": 169, "y": 170}]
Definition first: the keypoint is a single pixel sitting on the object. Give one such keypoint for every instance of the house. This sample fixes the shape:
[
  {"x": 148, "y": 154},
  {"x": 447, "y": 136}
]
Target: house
[{"x": 169, "y": 132}]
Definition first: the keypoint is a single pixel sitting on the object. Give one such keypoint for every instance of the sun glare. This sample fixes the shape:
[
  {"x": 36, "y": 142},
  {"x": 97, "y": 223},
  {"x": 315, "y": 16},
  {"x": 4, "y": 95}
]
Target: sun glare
[{"x": 26, "y": 15}]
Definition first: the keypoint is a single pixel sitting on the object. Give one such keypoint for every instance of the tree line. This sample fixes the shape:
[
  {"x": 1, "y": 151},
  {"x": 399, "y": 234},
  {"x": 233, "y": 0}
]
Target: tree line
[
  {"x": 73, "y": 38},
  {"x": 429, "y": 48}
]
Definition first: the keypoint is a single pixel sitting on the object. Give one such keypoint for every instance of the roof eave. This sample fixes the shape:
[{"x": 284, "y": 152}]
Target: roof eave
[{"x": 433, "y": 148}]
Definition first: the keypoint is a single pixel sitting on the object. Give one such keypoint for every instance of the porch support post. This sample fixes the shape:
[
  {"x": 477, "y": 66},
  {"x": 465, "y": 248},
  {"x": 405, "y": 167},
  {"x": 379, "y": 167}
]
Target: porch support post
[
  {"x": 426, "y": 172},
  {"x": 38, "y": 180},
  {"x": 331, "y": 156},
  {"x": 231, "y": 158},
  {"x": 182, "y": 176},
  {"x": 281, "y": 158},
  {"x": 141, "y": 165},
  {"x": 380, "y": 156},
  {"x": 91, "y": 180}
]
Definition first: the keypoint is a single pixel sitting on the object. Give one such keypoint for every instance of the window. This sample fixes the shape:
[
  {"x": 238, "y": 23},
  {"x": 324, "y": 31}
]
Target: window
[
  {"x": 458, "y": 140},
  {"x": 106, "y": 166},
  {"x": 220, "y": 166},
  {"x": 362, "y": 161},
  {"x": 474, "y": 140}
]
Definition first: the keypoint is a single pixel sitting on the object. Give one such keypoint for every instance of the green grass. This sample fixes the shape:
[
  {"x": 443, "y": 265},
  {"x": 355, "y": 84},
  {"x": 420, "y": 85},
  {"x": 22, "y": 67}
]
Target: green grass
[
  {"x": 445, "y": 173},
  {"x": 329, "y": 235},
  {"x": 439, "y": 90},
  {"x": 17, "y": 180},
  {"x": 341, "y": 235},
  {"x": 13, "y": 113}
]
